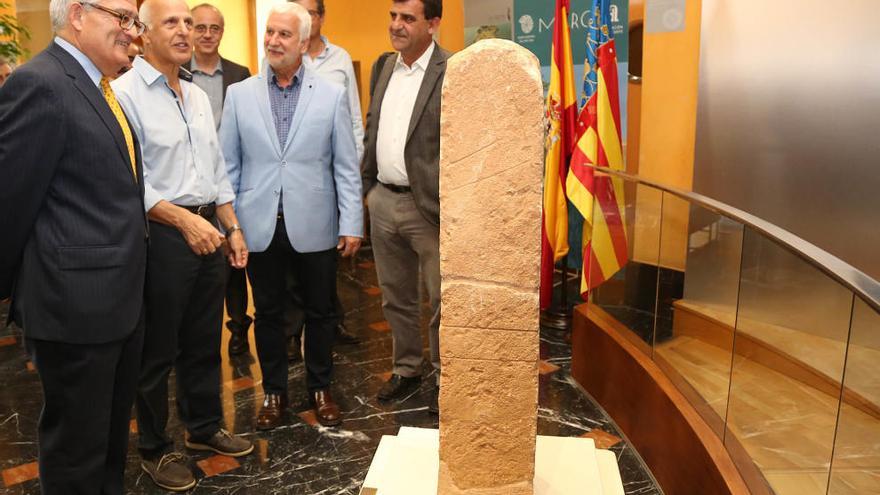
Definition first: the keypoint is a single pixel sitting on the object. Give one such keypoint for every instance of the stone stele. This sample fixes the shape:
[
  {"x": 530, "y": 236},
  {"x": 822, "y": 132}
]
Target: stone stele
[{"x": 491, "y": 161}]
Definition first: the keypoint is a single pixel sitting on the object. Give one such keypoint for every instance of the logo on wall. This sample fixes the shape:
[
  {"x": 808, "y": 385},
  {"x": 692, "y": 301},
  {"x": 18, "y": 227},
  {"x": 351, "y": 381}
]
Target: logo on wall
[{"x": 526, "y": 24}]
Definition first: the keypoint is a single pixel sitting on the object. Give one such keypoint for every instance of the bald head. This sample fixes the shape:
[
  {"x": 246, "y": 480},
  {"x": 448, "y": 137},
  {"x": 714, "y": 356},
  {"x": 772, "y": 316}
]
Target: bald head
[{"x": 167, "y": 40}]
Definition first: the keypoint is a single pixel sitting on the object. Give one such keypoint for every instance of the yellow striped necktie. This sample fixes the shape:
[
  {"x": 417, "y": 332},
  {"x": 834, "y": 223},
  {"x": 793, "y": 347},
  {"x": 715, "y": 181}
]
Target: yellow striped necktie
[{"x": 120, "y": 117}]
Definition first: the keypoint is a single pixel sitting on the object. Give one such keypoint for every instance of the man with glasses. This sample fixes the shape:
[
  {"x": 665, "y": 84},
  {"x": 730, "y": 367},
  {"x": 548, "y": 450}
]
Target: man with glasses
[
  {"x": 74, "y": 241},
  {"x": 188, "y": 199},
  {"x": 210, "y": 71},
  {"x": 214, "y": 74}
]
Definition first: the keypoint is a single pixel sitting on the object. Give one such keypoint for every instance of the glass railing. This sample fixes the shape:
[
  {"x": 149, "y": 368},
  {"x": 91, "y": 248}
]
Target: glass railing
[{"x": 775, "y": 342}]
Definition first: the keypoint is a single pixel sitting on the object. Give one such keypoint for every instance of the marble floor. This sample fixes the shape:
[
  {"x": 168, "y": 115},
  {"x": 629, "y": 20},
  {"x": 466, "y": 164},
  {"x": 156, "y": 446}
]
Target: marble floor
[{"x": 302, "y": 457}]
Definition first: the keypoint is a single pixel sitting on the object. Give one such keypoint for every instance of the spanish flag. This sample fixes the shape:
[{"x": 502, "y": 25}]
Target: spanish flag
[
  {"x": 561, "y": 112},
  {"x": 599, "y": 197}
]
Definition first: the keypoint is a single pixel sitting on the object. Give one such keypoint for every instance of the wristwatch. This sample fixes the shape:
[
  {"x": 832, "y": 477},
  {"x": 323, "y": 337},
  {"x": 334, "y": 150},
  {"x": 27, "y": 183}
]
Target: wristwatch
[{"x": 232, "y": 228}]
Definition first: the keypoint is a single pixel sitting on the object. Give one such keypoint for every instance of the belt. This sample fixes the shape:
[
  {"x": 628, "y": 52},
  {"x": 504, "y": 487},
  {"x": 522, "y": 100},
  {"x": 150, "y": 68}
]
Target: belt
[
  {"x": 204, "y": 211},
  {"x": 396, "y": 188}
]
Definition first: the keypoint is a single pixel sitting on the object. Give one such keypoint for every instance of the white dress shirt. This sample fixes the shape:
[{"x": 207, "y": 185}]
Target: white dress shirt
[
  {"x": 334, "y": 64},
  {"x": 182, "y": 160},
  {"x": 394, "y": 117}
]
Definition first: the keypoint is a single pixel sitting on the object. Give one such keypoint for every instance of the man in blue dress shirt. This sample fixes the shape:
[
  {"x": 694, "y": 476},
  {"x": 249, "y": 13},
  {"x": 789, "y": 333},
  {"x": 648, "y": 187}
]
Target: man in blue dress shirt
[{"x": 188, "y": 199}]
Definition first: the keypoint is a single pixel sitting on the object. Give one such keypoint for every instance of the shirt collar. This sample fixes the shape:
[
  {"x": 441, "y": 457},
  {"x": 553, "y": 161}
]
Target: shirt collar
[
  {"x": 421, "y": 62},
  {"x": 195, "y": 68},
  {"x": 297, "y": 78},
  {"x": 326, "y": 51},
  {"x": 147, "y": 72},
  {"x": 91, "y": 69}
]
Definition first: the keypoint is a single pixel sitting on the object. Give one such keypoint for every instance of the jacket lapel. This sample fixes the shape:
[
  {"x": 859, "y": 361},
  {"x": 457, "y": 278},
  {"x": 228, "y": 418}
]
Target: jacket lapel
[
  {"x": 95, "y": 97},
  {"x": 382, "y": 84},
  {"x": 435, "y": 68},
  {"x": 261, "y": 88},
  {"x": 306, "y": 91},
  {"x": 227, "y": 75}
]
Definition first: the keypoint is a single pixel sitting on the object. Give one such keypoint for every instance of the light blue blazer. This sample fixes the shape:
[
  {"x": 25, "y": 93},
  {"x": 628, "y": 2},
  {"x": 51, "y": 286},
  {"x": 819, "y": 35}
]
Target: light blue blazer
[{"x": 315, "y": 173}]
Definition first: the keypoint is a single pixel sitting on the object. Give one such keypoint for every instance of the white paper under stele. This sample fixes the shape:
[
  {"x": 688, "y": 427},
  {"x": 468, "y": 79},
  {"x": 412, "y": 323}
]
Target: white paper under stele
[{"x": 407, "y": 464}]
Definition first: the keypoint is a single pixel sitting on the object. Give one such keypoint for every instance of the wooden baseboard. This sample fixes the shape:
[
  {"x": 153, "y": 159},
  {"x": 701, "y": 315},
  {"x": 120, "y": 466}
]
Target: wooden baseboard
[{"x": 684, "y": 453}]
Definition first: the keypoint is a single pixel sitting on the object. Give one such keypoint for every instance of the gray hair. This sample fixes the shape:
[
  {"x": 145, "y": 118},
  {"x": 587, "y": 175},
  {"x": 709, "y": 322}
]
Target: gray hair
[
  {"x": 145, "y": 13},
  {"x": 305, "y": 20},
  {"x": 209, "y": 6},
  {"x": 58, "y": 13}
]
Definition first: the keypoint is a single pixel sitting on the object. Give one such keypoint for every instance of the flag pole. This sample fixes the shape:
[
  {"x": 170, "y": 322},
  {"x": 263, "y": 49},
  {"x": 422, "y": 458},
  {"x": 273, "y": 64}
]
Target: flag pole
[{"x": 559, "y": 316}]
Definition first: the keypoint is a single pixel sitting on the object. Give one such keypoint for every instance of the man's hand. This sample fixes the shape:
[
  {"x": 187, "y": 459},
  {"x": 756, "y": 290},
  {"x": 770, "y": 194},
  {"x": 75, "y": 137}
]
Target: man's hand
[
  {"x": 238, "y": 251},
  {"x": 202, "y": 237},
  {"x": 348, "y": 245}
]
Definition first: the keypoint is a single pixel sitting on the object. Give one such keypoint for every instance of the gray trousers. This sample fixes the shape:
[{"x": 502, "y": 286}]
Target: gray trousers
[{"x": 405, "y": 244}]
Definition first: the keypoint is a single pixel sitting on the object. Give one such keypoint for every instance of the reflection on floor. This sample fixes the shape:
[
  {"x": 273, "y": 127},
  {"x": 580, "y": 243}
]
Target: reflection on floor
[
  {"x": 786, "y": 425},
  {"x": 302, "y": 457}
]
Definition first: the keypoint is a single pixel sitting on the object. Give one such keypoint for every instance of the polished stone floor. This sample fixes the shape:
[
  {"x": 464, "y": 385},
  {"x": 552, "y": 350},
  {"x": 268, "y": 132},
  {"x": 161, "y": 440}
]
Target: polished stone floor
[{"x": 302, "y": 457}]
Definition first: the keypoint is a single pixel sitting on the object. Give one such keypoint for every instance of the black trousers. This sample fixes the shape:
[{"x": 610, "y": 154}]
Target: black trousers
[
  {"x": 184, "y": 301},
  {"x": 237, "y": 300},
  {"x": 315, "y": 274},
  {"x": 88, "y": 391}
]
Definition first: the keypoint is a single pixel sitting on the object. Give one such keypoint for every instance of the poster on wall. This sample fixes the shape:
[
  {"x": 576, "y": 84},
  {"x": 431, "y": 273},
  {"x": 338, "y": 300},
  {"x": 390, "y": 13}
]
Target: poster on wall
[
  {"x": 533, "y": 29},
  {"x": 485, "y": 19}
]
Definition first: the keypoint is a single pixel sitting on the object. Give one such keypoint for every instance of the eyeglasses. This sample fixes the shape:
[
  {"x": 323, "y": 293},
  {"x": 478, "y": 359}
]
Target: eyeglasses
[
  {"x": 126, "y": 21},
  {"x": 201, "y": 28}
]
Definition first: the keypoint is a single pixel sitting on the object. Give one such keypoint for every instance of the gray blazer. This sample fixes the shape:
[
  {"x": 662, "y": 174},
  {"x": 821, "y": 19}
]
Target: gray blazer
[{"x": 422, "y": 152}]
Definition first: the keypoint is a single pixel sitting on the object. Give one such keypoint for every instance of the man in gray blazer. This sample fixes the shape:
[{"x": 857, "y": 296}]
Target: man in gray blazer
[
  {"x": 401, "y": 180},
  {"x": 73, "y": 246}
]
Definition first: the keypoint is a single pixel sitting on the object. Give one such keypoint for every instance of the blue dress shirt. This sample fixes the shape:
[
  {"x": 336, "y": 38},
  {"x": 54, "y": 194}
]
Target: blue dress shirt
[{"x": 182, "y": 160}]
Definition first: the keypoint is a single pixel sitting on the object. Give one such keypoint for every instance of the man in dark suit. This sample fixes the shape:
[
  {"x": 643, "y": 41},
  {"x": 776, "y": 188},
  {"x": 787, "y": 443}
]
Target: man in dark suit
[
  {"x": 73, "y": 249},
  {"x": 214, "y": 74},
  {"x": 401, "y": 181}
]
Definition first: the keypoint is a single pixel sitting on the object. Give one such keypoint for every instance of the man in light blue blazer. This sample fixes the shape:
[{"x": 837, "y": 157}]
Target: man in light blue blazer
[{"x": 290, "y": 153}]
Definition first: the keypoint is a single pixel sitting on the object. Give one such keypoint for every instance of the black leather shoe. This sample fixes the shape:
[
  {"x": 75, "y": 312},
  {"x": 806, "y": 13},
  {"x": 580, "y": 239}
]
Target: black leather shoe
[
  {"x": 294, "y": 350},
  {"x": 398, "y": 387},
  {"x": 434, "y": 400},
  {"x": 344, "y": 337},
  {"x": 238, "y": 344}
]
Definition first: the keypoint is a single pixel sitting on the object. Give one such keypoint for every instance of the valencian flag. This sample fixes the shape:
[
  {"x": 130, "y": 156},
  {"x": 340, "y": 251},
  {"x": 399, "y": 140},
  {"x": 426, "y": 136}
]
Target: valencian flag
[
  {"x": 599, "y": 197},
  {"x": 561, "y": 112}
]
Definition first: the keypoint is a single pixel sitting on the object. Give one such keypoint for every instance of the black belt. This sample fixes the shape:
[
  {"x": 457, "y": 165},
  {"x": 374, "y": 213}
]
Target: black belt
[
  {"x": 204, "y": 211},
  {"x": 396, "y": 188}
]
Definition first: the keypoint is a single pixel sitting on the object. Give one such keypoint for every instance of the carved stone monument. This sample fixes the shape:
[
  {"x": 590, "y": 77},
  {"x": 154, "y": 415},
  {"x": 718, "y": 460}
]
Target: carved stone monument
[{"x": 491, "y": 161}]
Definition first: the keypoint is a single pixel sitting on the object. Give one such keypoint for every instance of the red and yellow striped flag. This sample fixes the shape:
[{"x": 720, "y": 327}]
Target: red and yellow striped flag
[
  {"x": 599, "y": 197},
  {"x": 561, "y": 112}
]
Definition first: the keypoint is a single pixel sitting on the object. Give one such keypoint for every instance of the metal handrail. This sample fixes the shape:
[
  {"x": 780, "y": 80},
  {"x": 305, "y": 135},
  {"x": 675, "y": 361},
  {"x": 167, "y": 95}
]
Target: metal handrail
[{"x": 863, "y": 285}]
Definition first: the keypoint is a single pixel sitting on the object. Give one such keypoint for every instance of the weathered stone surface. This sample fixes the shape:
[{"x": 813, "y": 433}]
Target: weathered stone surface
[
  {"x": 491, "y": 161},
  {"x": 488, "y": 421},
  {"x": 484, "y": 305},
  {"x": 447, "y": 488},
  {"x": 487, "y": 232},
  {"x": 485, "y": 343}
]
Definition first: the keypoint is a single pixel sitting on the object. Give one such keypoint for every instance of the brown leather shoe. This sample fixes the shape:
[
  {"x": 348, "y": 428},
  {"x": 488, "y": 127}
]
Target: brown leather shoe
[
  {"x": 272, "y": 413},
  {"x": 326, "y": 410}
]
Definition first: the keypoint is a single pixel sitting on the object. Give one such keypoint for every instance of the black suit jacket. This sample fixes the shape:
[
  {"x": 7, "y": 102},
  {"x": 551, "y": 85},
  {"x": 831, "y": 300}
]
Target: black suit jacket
[
  {"x": 232, "y": 73},
  {"x": 73, "y": 248},
  {"x": 422, "y": 151}
]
